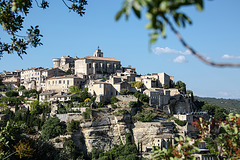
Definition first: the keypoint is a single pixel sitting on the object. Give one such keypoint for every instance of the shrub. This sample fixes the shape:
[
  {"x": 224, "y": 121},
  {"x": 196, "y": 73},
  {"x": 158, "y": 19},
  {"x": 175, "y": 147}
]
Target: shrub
[
  {"x": 114, "y": 100},
  {"x": 179, "y": 122},
  {"x": 124, "y": 92}
]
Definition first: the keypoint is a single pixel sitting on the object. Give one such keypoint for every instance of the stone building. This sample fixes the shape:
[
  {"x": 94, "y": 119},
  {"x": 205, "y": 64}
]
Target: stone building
[
  {"x": 157, "y": 96},
  {"x": 11, "y": 79},
  {"x": 96, "y": 64},
  {"x": 65, "y": 63},
  {"x": 156, "y": 80},
  {"x": 35, "y": 78},
  {"x": 62, "y": 83},
  {"x": 104, "y": 90}
]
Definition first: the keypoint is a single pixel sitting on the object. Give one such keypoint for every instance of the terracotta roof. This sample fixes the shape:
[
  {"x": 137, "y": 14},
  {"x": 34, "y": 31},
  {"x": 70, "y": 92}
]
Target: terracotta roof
[
  {"x": 100, "y": 58},
  {"x": 65, "y": 76}
]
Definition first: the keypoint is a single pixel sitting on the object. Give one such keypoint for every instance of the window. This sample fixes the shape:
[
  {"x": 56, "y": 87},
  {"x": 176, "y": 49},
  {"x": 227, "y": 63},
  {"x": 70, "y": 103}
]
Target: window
[
  {"x": 48, "y": 82},
  {"x": 63, "y": 81},
  {"x": 89, "y": 65},
  {"x": 67, "y": 81},
  {"x": 100, "y": 85},
  {"x": 59, "y": 82},
  {"x": 55, "y": 82},
  {"x": 52, "y": 82}
]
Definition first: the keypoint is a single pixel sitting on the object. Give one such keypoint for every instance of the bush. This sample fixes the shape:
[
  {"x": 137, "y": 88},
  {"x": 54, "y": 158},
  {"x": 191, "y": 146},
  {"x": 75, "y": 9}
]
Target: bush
[
  {"x": 124, "y": 92},
  {"x": 138, "y": 85},
  {"x": 113, "y": 100},
  {"x": 11, "y": 93},
  {"x": 52, "y": 128},
  {"x": 73, "y": 125},
  {"x": 133, "y": 104},
  {"x": 180, "y": 123}
]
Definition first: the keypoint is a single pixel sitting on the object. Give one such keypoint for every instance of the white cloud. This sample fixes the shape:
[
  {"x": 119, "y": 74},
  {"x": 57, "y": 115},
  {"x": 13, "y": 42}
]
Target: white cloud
[
  {"x": 180, "y": 59},
  {"x": 226, "y": 56},
  {"x": 159, "y": 50}
]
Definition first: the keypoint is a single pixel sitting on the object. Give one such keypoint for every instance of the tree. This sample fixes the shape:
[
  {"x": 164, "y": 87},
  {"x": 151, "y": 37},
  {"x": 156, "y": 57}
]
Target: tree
[
  {"x": 35, "y": 107},
  {"x": 52, "y": 128},
  {"x": 181, "y": 86},
  {"x": 11, "y": 93},
  {"x": 13, "y": 14},
  {"x": 139, "y": 85},
  {"x": 124, "y": 92},
  {"x": 21, "y": 88}
]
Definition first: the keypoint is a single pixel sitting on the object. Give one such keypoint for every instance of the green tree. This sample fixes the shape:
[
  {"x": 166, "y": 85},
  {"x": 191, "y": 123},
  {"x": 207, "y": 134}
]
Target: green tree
[
  {"x": 13, "y": 14},
  {"x": 20, "y": 88},
  {"x": 69, "y": 72},
  {"x": 124, "y": 92},
  {"x": 139, "y": 85},
  {"x": 73, "y": 125},
  {"x": 181, "y": 86},
  {"x": 52, "y": 128},
  {"x": 113, "y": 100},
  {"x": 35, "y": 107},
  {"x": 11, "y": 93}
]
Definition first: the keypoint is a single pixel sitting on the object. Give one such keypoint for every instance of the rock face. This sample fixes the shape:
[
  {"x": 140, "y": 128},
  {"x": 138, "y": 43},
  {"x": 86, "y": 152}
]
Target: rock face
[
  {"x": 145, "y": 133},
  {"x": 104, "y": 133}
]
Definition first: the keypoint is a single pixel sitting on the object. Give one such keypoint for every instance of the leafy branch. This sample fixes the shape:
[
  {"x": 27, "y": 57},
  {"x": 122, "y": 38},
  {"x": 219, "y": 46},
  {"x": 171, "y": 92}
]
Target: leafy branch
[
  {"x": 12, "y": 15},
  {"x": 159, "y": 12}
]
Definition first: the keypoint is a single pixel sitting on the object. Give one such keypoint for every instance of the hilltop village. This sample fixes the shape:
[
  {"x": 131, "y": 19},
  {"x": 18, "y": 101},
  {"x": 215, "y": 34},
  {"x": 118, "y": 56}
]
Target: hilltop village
[{"x": 106, "y": 102}]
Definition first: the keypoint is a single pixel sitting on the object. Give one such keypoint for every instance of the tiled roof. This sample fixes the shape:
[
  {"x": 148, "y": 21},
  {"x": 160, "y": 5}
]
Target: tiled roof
[{"x": 100, "y": 58}]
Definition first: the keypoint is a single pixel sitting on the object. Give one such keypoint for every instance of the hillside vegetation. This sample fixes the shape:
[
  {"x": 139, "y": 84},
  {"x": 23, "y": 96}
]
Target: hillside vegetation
[{"x": 231, "y": 105}]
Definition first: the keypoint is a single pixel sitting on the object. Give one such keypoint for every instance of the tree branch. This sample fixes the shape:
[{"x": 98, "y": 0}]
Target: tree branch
[
  {"x": 195, "y": 53},
  {"x": 66, "y": 4}
]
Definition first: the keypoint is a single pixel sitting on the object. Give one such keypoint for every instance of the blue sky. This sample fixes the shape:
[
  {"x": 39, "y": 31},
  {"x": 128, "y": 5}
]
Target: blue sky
[{"x": 214, "y": 33}]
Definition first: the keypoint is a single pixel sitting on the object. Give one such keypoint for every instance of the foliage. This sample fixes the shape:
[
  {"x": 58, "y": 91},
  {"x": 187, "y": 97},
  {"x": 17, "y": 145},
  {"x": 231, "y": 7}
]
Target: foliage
[
  {"x": 24, "y": 149},
  {"x": 13, "y": 101},
  {"x": 142, "y": 97},
  {"x": 52, "y": 128},
  {"x": 73, "y": 89},
  {"x": 181, "y": 86},
  {"x": 179, "y": 122},
  {"x": 183, "y": 150},
  {"x": 139, "y": 85},
  {"x": 225, "y": 134},
  {"x": 124, "y": 92},
  {"x": 133, "y": 104},
  {"x": 100, "y": 105},
  {"x": 20, "y": 88},
  {"x": 9, "y": 136},
  {"x": 113, "y": 100},
  {"x": 87, "y": 113},
  {"x": 215, "y": 111},
  {"x": 165, "y": 86},
  {"x": 231, "y": 105},
  {"x": 73, "y": 125},
  {"x": 69, "y": 72},
  {"x": 121, "y": 152},
  {"x": 70, "y": 152},
  {"x": 11, "y": 93},
  {"x": 160, "y": 13},
  {"x": 35, "y": 107},
  {"x": 12, "y": 17},
  {"x": 144, "y": 116}
]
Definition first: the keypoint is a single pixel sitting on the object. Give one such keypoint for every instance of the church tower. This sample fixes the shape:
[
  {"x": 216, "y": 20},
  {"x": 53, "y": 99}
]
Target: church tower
[{"x": 98, "y": 53}]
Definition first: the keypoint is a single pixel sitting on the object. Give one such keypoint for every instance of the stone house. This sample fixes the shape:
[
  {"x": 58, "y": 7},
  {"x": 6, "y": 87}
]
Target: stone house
[
  {"x": 46, "y": 95},
  {"x": 157, "y": 96},
  {"x": 96, "y": 64},
  {"x": 64, "y": 63},
  {"x": 104, "y": 90},
  {"x": 62, "y": 97},
  {"x": 35, "y": 78},
  {"x": 62, "y": 83},
  {"x": 11, "y": 79}
]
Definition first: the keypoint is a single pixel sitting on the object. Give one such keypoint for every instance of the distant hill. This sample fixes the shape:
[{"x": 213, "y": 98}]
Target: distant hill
[{"x": 232, "y": 105}]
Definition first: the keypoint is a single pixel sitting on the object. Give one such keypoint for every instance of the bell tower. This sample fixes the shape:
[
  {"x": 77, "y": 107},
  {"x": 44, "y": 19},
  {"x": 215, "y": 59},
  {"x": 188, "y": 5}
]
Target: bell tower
[{"x": 98, "y": 53}]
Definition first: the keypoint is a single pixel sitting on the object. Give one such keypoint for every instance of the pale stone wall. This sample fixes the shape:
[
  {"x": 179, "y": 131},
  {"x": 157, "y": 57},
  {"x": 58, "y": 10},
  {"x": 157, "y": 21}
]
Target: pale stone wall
[{"x": 59, "y": 84}]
